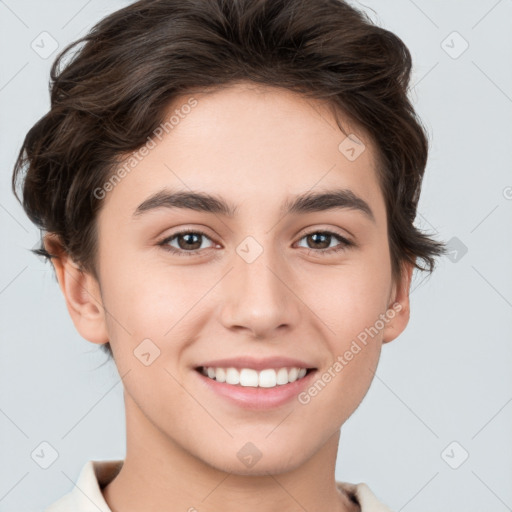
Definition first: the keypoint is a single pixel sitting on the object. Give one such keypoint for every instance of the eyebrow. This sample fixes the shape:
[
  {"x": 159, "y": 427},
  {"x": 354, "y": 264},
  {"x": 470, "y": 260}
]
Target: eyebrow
[{"x": 301, "y": 204}]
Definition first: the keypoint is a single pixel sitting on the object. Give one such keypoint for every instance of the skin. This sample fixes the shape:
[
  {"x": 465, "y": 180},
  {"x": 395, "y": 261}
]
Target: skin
[{"x": 182, "y": 440}]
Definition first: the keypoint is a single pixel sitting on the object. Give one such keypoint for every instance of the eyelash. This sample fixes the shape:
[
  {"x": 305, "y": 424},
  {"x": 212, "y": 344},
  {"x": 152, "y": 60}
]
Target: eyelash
[{"x": 345, "y": 244}]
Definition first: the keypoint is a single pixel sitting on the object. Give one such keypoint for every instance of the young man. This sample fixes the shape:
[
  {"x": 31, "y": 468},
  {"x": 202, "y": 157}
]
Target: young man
[{"x": 227, "y": 190}]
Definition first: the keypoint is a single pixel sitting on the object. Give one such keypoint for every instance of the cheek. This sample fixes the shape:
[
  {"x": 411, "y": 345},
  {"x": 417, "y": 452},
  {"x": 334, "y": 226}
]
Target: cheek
[
  {"x": 351, "y": 299},
  {"x": 140, "y": 303},
  {"x": 361, "y": 318},
  {"x": 162, "y": 304}
]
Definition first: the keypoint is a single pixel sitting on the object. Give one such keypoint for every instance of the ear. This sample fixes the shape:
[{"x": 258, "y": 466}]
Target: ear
[
  {"x": 81, "y": 291},
  {"x": 399, "y": 306}
]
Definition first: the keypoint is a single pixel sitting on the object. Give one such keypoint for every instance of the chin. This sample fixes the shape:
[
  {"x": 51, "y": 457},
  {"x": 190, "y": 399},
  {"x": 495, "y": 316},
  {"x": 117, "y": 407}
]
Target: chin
[{"x": 249, "y": 461}]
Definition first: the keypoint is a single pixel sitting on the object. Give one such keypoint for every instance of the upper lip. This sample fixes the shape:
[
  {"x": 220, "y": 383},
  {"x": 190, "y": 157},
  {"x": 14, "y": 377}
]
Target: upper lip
[{"x": 256, "y": 364}]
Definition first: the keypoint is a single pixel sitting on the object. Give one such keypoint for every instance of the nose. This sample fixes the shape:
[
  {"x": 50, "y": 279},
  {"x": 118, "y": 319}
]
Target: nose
[{"x": 259, "y": 297}]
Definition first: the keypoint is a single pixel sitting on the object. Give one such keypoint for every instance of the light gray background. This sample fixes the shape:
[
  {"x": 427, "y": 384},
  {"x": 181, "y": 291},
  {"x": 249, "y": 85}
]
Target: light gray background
[{"x": 447, "y": 378}]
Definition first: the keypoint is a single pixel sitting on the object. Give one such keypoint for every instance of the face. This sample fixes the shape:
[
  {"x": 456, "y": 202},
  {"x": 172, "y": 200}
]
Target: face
[{"x": 288, "y": 299}]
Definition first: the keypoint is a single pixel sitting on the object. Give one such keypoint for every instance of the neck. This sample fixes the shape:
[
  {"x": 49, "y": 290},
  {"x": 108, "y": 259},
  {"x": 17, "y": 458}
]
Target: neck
[{"x": 158, "y": 474}]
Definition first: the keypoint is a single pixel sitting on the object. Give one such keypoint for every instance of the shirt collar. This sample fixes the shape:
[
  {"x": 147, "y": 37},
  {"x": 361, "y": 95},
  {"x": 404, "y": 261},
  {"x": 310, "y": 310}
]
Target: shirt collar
[{"x": 86, "y": 495}]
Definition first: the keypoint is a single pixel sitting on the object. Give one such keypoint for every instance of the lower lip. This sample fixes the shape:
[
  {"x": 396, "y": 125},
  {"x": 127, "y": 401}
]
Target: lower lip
[{"x": 258, "y": 398}]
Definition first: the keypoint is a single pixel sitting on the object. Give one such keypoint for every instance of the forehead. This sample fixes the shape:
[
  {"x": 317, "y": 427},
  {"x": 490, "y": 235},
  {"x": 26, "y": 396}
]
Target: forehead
[{"x": 252, "y": 143}]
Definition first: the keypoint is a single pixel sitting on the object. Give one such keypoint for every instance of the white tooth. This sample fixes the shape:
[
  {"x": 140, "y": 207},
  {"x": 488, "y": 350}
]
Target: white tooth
[
  {"x": 220, "y": 374},
  {"x": 282, "y": 376},
  {"x": 249, "y": 377},
  {"x": 267, "y": 378},
  {"x": 232, "y": 376},
  {"x": 292, "y": 374}
]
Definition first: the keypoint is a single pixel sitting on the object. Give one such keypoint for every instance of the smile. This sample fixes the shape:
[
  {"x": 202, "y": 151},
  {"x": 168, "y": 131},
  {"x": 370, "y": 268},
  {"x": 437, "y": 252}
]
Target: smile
[{"x": 249, "y": 377}]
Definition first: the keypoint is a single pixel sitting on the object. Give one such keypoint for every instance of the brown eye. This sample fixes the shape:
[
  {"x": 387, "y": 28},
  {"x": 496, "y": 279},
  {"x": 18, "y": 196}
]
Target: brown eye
[
  {"x": 320, "y": 242},
  {"x": 188, "y": 242}
]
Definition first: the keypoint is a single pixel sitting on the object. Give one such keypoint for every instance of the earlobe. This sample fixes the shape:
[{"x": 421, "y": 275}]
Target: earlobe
[
  {"x": 399, "y": 307},
  {"x": 81, "y": 292}
]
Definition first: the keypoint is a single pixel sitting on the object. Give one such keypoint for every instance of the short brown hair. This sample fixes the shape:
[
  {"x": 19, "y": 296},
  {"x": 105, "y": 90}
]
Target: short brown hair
[{"x": 114, "y": 91}]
